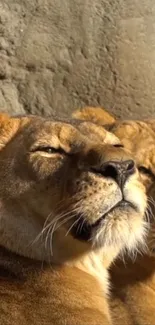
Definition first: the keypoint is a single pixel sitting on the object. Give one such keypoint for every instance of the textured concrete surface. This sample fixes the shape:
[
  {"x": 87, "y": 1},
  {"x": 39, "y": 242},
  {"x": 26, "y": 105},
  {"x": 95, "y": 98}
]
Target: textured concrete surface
[{"x": 57, "y": 55}]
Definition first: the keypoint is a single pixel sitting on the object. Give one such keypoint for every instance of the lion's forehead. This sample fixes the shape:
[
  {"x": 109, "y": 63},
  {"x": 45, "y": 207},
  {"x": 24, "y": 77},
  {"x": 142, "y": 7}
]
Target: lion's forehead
[
  {"x": 55, "y": 128},
  {"x": 139, "y": 138},
  {"x": 133, "y": 129},
  {"x": 69, "y": 132},
  {"x": 57, "y": 134},
  {"x": 129, "y": 128},
  {"x": 35, "y": 129},
  {"x": 98, "y": 133}
]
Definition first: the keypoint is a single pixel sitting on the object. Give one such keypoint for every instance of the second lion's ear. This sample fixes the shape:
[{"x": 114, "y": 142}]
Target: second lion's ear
[{"x": 95, "y": 114}]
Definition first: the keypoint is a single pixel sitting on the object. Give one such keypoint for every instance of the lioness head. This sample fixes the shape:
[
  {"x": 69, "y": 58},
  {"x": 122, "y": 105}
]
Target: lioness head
[
  {"x": 63, "y": 193},
  {"x": 138, "y": 137}
]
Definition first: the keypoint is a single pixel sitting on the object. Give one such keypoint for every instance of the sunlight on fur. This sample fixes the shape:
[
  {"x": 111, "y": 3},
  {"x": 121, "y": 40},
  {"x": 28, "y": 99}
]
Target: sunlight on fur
[
  {"x": 70, "y": 197},
  {"x": 133, "y": 281}
]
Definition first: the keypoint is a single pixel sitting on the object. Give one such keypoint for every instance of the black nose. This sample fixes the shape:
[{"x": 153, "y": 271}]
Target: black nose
[{"x": 118, "y": 170}]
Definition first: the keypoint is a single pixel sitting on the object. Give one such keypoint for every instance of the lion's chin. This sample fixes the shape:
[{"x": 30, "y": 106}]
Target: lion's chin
[{"x": 122, "y": 226}]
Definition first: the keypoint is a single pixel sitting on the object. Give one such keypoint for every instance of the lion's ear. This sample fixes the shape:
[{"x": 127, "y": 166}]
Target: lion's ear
[
  {"x": 95, "y": 114},
  {"x": 8, "y": 127},
  {"x": 5, "y": 121},
  {"x": 4, "y": 117}
]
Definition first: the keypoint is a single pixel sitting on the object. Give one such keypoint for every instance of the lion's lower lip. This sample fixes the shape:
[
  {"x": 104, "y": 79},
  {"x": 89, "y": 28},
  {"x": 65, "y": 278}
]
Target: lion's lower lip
[
  {"x": 83, "y": 231},
  {"x": 121, "y": 204}
]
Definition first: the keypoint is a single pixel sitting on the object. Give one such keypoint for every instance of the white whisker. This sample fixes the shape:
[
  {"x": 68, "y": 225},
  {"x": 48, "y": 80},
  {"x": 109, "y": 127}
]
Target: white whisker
[{"x": 72, "y": 226}]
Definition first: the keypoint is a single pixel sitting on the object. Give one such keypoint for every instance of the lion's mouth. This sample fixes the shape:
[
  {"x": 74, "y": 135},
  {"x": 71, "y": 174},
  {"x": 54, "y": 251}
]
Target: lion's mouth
[{"x": 82, "y": 230}]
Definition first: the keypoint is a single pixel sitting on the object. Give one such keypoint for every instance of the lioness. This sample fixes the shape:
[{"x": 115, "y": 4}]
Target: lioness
[
  {"x": 133, "y": 286},
  {"x": 134, "y": 283},
  {"x": 68, "y": 205}
]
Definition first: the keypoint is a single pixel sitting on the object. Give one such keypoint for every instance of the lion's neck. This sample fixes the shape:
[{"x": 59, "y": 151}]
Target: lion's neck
[
  {"x": 92, "y": 263},
  {"x": 21, "y": 235},
  {"x": 14, "y": 266}
]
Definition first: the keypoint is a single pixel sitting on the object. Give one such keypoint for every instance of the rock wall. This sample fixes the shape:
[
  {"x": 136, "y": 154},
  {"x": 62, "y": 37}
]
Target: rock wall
[{"x": 57, "y": 55}]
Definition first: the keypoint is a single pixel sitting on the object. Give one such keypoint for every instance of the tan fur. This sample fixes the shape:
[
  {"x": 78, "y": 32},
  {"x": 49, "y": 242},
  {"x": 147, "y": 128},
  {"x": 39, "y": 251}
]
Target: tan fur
[
  {"x": 133, "y": 281},
  {"x": 94, "y": 114},
  {"x": 48, "y": 274}
]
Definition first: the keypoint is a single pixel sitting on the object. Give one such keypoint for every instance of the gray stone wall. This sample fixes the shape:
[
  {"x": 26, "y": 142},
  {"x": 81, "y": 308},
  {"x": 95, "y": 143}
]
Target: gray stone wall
[{"x": 57, "y": 55}]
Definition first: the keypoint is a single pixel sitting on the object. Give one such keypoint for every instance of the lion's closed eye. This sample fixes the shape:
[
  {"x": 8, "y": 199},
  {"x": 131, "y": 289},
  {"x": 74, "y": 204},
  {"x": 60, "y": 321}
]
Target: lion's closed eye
[
  {"x": 118, "y": 145},
  {"x": 48, "y": 149},
  {"x": 145, "y": 171}
]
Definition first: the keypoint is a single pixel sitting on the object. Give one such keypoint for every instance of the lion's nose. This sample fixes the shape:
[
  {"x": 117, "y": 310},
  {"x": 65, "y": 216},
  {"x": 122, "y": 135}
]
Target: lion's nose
[{"x": 118, "y": 170}]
